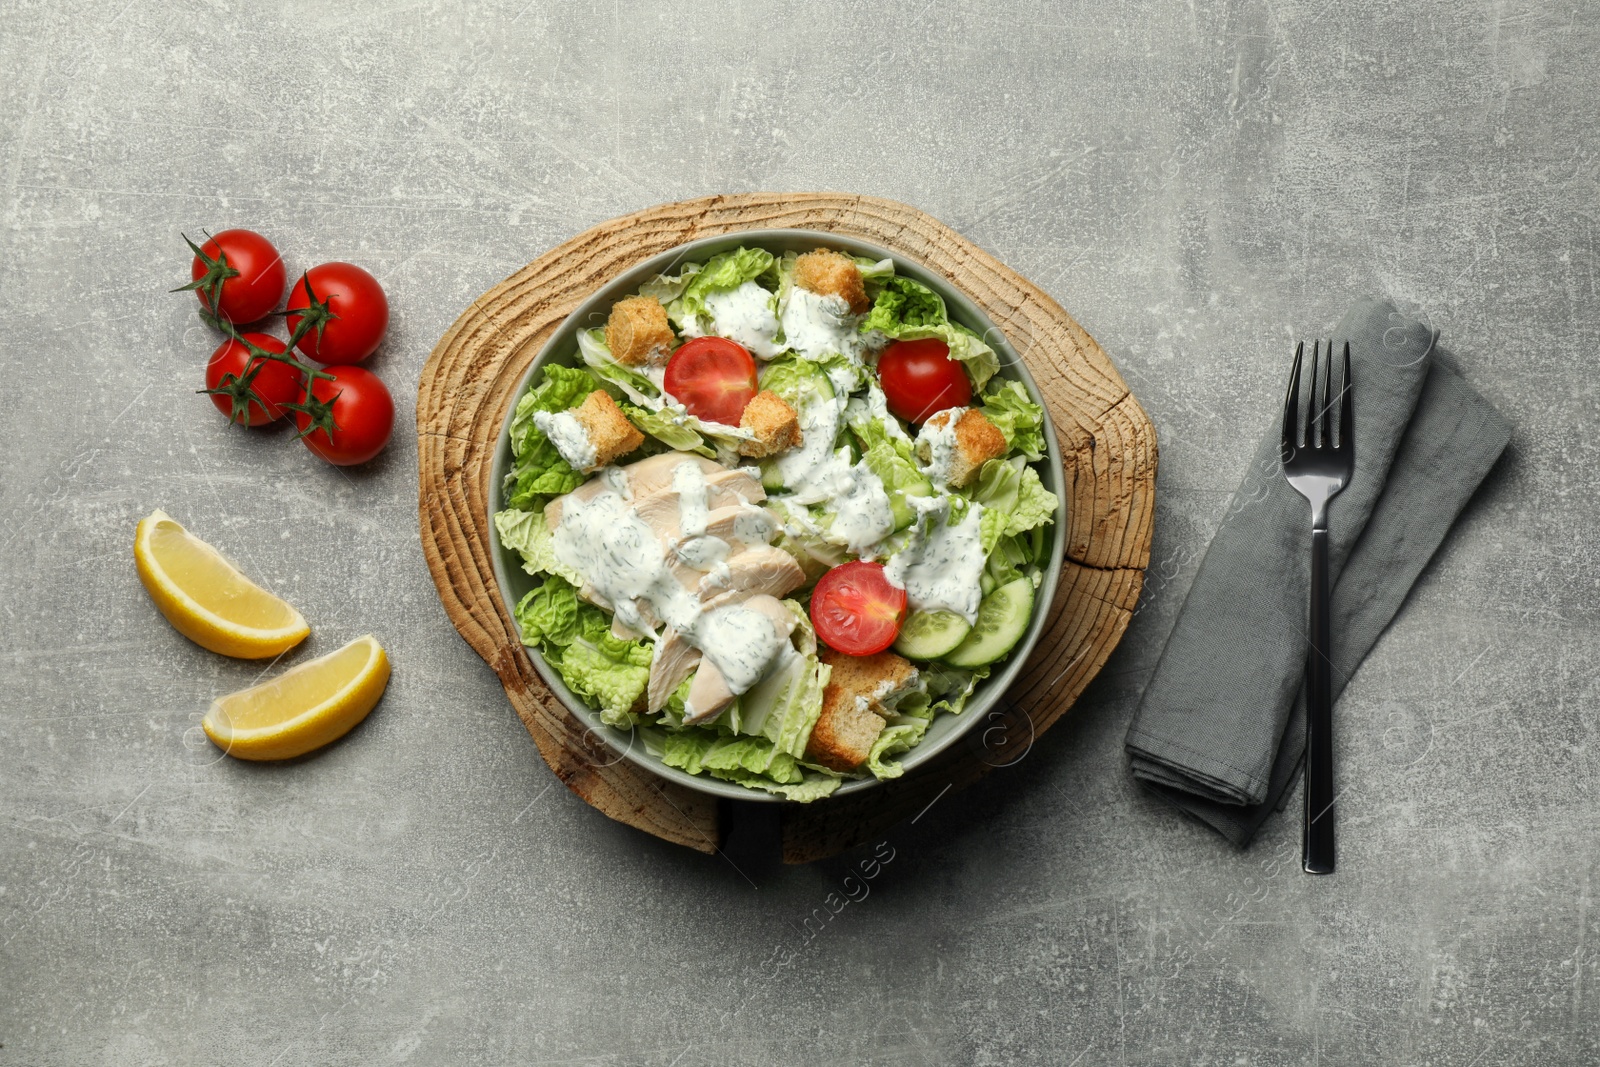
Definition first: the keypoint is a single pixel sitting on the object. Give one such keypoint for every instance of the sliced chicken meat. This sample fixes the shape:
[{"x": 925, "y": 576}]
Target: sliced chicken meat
[
  {"x": 709, "y": 693},
  {"x": 645, "y": 478},
  {"x": 725, "y": 489},
  {"x": 729, "y": 562},
  {"x": 758, "y": 569},
  {"x": 674, "y": 659}
]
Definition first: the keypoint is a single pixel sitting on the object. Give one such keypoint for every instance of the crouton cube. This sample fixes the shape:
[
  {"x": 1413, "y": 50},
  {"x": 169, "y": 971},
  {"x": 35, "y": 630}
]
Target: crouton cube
[
  {"x": 843, "y": 736},
  {"x": 954, "y": 444},
  {"x": 775, "y": 424},
  {"x": 830, "y": 273},
  {"x": 861, "y": 691},
  {"x": 879, "y": 678},
  {"x": 610, "y": 431},
  {"x": 592, "y": 434},
  {"x": 638, "y": 332}
]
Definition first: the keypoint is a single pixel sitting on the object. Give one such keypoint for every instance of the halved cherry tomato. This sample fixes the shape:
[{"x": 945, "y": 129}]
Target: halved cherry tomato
[
  {"x": 250, "y": 271},
  {"x": 920, "y": 379},
  {"x": 274, "y": 385},
  {"x": 713, "y": 377},
  {"x": 856, "y": 609},
  {"x": 360, "y": 313}
]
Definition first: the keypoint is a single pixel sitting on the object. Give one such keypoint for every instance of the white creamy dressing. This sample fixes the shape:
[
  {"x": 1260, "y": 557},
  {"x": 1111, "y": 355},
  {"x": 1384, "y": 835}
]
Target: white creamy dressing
[
  {"x": 939, "y": 436},
  {"x": 718, "y": 576},
  {"x": 656, "y": 373},
  {"x": 754, "y": 526},
  {"x": 703, "y": 553},
  {"x": 623, "y": 561},
  {"x": 804, "y": 470},
  {"x": 740, "y": 643},
  {"x": 616, "y": 479},
  {"x": 743, "y": 314},
  {"x": 689, "y": 482},
  {"x": 816, "y": 325},
  {"x": 844, "y": 377},
  {"x": 875, "y": 406},
  {"x": 619, "y": 555},
  {"x": 941, "y": 567},
  {"x": 569, "y": 436},
  {"x": 816, "y": 473},
  {"x": 862, "y": 515}
]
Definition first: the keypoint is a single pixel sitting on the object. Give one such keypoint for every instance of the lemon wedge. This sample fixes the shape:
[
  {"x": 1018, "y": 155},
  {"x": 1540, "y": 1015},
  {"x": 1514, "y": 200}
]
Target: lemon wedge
[
  {"x": 206, "y": 598},
  {"x": 302, "y": 709}
]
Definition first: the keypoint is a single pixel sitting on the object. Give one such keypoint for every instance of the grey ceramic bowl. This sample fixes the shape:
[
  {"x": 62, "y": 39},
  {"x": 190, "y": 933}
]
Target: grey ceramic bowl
[{"x": 515, "y": 583}]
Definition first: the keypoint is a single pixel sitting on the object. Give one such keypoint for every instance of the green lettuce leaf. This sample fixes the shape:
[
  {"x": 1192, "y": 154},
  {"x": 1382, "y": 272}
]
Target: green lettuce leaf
[
  {"x": 785, "y": 705},
  {"x": 900, "y": 478},
  {"x": 869, "y": 418},
  {"x": 537, "y": 470},
  {"x": 797, "y": 380},
  {"x": 874, "y": 270},
  {"x": 902, "y": 302},
  {"x": 561, "y": 388},
  {"x": 810, "y": 787},
  {"x": 596, "y": 354},
  {"x": 907, "y": 310},
  {"x": 751, "y": 755},
  {"x": 727, "y": 270},
  {"x": 1011, "y": 490},
  {"x": 527, "y": 533},
  {"x": 609, "y": 672},
  {"x": 666, "y": 288},
  {"x": 548, "y": 615},
  {"x": 685, "y": 749},
  {"x": 1017, "y": 417},
  {"x": 904, "y": 734},
  {"x": 669, "y": 431},
  {"x": 603, "y": 669},
  {"x": 1006, "y": 561}
]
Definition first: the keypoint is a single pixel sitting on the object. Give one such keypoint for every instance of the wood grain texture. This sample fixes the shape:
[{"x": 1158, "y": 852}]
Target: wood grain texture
[{"x": 1108, "y": 450}]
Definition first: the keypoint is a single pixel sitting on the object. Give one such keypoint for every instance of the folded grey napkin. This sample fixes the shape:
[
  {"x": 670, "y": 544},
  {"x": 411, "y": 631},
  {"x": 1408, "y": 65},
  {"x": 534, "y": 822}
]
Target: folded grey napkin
[{"x": 1220, "y": 731}]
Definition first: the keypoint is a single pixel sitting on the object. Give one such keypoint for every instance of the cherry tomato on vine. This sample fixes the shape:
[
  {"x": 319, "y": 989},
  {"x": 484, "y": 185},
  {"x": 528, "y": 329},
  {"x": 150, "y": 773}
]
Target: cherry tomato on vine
[
  {"x": 358, "y": 313},
  {"x": 856, "y": 609},
  {"x": 274, "y": 385},
  {"x": 244, "y": 273},
  {"x": 713, "y": 377},
  {"x": 920, "y": 379},
  {"x": 362, "y": 411}
]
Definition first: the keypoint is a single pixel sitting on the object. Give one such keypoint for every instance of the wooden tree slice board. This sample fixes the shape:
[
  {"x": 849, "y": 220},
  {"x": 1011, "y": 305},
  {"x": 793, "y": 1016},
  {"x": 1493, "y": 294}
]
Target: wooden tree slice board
[{"x": 1108, "y": 448}]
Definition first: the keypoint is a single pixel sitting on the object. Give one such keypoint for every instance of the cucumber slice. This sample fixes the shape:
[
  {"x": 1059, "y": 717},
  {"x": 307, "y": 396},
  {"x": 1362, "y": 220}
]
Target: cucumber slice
[
  {"x": 771, "y": 480},
  {"x": 1002, "y": 618},
  {"x": 931, "y": 634}
]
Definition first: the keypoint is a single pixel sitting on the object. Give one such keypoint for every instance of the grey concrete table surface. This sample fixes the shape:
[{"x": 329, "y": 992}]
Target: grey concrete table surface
[{"x": 1200, "y": 184}]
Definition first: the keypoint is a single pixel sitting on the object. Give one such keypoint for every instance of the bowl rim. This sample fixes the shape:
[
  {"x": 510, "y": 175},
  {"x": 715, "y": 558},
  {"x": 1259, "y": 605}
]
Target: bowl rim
[{"x": 945, "y": 730}]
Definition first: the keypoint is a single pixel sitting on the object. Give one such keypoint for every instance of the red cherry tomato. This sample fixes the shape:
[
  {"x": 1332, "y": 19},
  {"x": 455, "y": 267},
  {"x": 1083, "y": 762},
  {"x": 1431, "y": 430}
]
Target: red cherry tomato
[
  {"x": 360, "y": 313},
  {"x": 255, "y": 290},
  {"x": 713, "y": 377},
  {"x": 920, "y": 379},
  {"x": 856, "y": 609},
  {"x": 274, "y": 385},
  {"x": 363, "y": 416}
]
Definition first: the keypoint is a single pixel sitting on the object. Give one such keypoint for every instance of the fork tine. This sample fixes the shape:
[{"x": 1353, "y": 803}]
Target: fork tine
[
  {"x": 1313, "y": 409},
  {"x": 1325, "y": 412},
  {"x": 1347, "y": 418},
  {"x": 1291, "y": 405}
]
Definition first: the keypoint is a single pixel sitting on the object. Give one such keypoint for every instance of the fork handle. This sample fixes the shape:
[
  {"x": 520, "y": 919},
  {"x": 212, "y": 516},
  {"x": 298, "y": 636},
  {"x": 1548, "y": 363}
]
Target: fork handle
[{"x": 1317, "y": 857}]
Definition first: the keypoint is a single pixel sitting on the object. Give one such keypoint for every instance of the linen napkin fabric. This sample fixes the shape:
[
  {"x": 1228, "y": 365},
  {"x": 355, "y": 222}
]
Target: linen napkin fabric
[{"x": 1220, "y": 730}]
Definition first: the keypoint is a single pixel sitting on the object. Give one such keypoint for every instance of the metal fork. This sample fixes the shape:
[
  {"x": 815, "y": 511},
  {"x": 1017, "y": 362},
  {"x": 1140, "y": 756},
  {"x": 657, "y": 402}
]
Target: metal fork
[{"x": 1318, "y": 459}]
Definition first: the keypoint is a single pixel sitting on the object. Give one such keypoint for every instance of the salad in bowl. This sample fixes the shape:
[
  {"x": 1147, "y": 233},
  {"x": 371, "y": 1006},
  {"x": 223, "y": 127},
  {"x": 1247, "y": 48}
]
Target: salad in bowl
[{"x": 783, "y": 515}]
